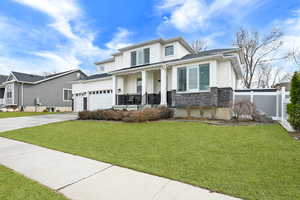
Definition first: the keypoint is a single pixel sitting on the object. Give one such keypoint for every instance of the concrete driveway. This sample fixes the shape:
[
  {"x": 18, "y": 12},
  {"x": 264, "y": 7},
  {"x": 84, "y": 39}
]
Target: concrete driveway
[
  {"x": 85, "y": 179},
  {"x": 7, "y": 124}
]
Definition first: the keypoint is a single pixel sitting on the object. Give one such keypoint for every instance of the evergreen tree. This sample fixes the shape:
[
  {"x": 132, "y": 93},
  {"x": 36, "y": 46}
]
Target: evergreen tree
[{"x": 293, "y": 108}]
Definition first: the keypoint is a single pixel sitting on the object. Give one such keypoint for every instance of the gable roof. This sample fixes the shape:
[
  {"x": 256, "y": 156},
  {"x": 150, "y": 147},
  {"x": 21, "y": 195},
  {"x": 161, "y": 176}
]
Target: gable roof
[
  {"x": 23, "y": 77},
  {"x": 3, "y": 78},
  {"x": 31, "y": 78}
]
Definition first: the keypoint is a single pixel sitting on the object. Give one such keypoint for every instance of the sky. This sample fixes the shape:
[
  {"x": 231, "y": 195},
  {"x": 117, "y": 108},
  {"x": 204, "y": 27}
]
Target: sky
[{"x": 38, "y": 36}]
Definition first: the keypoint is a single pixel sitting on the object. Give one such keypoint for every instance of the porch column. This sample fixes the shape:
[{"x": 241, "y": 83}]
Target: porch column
[
  {"x": 163, "y": 85},
  {"x": 114, "y": 90},
  {"x": 144, "y": 87}
]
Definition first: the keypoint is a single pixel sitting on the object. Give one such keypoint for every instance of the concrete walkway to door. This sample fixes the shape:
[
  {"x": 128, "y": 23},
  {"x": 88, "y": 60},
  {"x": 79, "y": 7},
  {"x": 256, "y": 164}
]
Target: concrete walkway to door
[{"x": 7, "y": 124}]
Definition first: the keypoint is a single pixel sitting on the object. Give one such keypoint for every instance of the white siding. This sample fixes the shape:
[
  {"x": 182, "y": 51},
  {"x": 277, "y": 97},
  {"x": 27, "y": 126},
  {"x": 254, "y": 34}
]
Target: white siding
[
  {"x": 226, "y": 76},
  {"x": 92, "y": 86}
]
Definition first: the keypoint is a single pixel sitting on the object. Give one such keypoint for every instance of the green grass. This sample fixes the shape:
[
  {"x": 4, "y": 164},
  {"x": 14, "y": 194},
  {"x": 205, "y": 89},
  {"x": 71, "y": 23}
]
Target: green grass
[
  {"x": 252, "y": 162},
  {"x": 23, "y": 114},
  {"x": 14, "y": 186}
]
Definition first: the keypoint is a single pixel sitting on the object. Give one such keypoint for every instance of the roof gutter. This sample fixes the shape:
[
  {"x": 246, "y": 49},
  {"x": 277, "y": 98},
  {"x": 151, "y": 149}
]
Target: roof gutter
[{"x": 92, "y": 80}]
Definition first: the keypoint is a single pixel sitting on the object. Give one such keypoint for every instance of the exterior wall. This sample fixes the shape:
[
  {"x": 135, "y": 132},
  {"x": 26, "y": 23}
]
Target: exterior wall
[
  {"x": 130, "y": 83},
  {"x": 92, "y": 86},
  {"x": 157, "y": 54},
  {"x": 216, "y": 97},
  {"x": 226, "y": 76},
  {"x": 107, "y": 67},
  {"x": 42, "y": 108},
  {"x": 179, "y": 51},
  {"x": 50, "y": 93}
]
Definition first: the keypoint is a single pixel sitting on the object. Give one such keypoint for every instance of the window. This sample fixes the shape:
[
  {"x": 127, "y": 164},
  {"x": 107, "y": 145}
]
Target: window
[
  {"x": 9, "y": 95},
  {"x": 140, "y": 57},
  {"x": 169, "y": 50},
  {"x": 139, "y": 86},
  {"x": 101, "y": 69},
  {"x": 67, "y": 95},
  {"x": 193, "y": 79}
]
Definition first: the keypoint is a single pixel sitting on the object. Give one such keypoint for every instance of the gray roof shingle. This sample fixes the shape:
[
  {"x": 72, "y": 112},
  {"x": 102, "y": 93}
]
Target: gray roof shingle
[
  {"x": 27, "y": 77},
  {"x": 3, "y": 78},
  {"x": 96, "y": 76}
]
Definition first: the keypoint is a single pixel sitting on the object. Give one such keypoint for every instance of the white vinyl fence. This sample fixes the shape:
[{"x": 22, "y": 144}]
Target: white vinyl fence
[{"x": 273, "y": 102}]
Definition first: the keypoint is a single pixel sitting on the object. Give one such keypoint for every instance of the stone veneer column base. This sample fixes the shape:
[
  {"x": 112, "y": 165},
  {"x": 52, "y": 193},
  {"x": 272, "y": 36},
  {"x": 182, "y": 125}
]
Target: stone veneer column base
[{"x": 204, "y": 113}]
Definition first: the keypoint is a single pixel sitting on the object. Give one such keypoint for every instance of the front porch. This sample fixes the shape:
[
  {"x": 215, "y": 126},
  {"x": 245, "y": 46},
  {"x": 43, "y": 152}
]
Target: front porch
[{"x": 147, "y": 88}]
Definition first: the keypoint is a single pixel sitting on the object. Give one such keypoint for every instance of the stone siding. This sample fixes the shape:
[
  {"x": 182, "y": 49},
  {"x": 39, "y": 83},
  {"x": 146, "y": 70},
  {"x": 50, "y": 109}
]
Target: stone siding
[{"x": 216, "y": 97}]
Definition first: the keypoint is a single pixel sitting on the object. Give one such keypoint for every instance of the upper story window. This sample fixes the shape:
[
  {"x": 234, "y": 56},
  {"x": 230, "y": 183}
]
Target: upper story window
[
  {"x": 140, "y": 57},
  {"x": 101, "y": 68},
  {"x": 169, "y": 50},
  {"x": 67, "y": 94},
  {"x": 193, "y": 78}
]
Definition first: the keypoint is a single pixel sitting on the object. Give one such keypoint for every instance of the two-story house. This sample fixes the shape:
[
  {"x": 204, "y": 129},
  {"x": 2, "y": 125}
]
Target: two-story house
[{"x": 162, "y": 72}]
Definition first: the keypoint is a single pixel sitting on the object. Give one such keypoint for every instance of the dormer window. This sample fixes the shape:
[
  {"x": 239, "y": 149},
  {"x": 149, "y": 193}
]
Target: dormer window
[
  {"x": 140, "y": 57},
  {"x": 169, "y": 50}
]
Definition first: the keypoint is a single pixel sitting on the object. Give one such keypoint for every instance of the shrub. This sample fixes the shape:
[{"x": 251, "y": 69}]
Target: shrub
[
  {"x": 293, "y": 108},
  {"x": 149, "y": 114},
  {"x": 244, "y": 109}
]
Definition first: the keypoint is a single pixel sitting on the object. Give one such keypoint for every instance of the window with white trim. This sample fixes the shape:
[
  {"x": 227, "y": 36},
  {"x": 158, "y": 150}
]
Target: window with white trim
[
  {"x": 169, "y": 50},
  {"x": 193, "y": 78},
  {"x": 67, "y": 94},
  {"x": 140, "y": 57}
]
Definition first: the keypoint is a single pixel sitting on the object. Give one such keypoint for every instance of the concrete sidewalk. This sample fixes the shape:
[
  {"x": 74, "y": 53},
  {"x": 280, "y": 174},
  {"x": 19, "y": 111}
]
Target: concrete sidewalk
[
  {"x": 84, "y": 179},
  {"x": 7, "y": 124}
]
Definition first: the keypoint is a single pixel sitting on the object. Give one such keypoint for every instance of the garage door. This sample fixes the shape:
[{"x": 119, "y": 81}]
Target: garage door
[{"x": 100, "y": 100}]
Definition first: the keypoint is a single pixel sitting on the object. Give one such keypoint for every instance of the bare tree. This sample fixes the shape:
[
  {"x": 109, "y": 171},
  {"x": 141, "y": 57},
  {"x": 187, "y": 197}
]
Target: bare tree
[
  {"x": 199, "y": 45},
  {"x": 268, "y": 76},
  {"x": 257, "y": 50},
  {"x": 294, "y": 55}
]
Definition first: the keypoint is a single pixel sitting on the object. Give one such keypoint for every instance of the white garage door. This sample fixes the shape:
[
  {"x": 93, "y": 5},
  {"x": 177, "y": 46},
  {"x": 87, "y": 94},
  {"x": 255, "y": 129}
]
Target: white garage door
[{"x": 100, "y": 100}]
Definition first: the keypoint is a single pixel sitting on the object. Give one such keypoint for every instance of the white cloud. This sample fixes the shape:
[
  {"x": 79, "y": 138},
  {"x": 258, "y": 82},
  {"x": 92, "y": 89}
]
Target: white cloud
[
  {"x": 194, "y": 15},
  {"x": 66, "y": 42},
  {"x": 119, "y": 40}
]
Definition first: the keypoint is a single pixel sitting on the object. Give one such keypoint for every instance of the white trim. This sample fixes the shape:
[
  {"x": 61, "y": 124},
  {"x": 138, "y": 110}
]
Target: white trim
[
  {"x": 197, "y": 66},
  {"x": 64, "y": 94}
]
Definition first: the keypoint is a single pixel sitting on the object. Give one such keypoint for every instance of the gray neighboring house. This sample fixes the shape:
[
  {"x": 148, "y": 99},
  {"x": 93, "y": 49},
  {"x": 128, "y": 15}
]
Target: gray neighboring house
[
  {"x": 3, "y": 78},
  {"x": 28, "y": 92}
]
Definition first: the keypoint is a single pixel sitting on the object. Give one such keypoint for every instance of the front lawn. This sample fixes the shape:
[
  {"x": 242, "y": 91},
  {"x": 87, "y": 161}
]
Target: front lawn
[
  {"x": 252, "y": 162},
  {"x": 14, "y": 186},
  {"x": 22, "y": 114}
]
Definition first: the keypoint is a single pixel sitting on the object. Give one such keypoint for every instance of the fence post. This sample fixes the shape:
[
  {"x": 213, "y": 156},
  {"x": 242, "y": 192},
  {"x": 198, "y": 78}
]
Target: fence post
[
  {"x": 252, "y": 98},
  {"x": 277, "y": 105},
  {"x": 282, "y": 103}
]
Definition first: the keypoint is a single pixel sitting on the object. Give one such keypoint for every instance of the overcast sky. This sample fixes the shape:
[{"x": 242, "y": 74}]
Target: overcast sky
[{"x": 56, "y": 35}]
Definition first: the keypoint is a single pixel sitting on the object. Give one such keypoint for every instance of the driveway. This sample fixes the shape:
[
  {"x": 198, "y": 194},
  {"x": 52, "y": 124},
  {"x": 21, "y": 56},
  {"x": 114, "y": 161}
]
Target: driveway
[
  {"x": 7, "y": 124},
  {"x": 85, "y": 179}
]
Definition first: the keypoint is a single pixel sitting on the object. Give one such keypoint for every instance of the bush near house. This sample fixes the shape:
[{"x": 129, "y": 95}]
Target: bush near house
[
  {"x": 293, "y": 108},
  {"x": 149, "y": 114}
]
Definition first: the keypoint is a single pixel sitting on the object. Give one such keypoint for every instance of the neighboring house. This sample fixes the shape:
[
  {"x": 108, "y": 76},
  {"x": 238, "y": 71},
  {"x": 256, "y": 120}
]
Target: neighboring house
[
  {"x": 30, "y": 92},
  {"x": 3, "y": 78},
  {"x": 285, "y": 82},
  {"x": 163, "y": 72}
]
